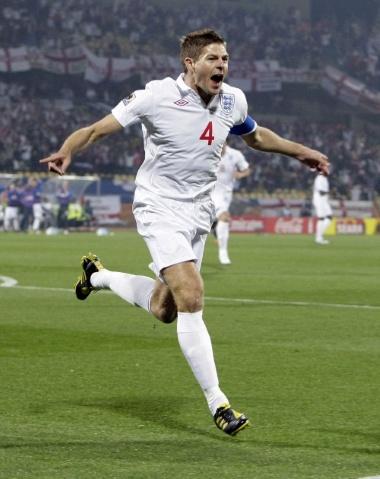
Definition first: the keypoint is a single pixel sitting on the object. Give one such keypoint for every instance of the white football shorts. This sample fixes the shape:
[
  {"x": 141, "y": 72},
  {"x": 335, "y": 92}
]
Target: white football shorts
[
  {"x": 222, "y": 200},
  {"x": 174, "y": 231},
  {"x": 322, "y": 207},
  {"x": 11, "y": 213}
]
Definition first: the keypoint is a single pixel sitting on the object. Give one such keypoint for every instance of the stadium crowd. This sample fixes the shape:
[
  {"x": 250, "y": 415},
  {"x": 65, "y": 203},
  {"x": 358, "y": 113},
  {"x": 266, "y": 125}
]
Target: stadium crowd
[
  {"x": 143, "y": 27},
  {"x": 31, "y": 129},
  {"x": 355, "y": 172}
]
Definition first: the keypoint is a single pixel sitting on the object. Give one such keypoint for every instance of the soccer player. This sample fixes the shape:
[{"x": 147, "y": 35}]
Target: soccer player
[
  {"x": 233, "y": 166},
  {"x": 322, "y": 207},
  {"x": 12, "y": 208},
  {"x": 185, "y": 123}
]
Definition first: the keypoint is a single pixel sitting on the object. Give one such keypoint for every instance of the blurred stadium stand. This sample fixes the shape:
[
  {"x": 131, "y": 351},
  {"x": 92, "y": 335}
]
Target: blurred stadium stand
[{"x": 64, "y": 64}]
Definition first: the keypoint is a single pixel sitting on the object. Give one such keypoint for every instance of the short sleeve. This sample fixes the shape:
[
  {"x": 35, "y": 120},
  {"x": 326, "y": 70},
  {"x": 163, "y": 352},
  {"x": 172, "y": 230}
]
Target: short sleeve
[
  {"x": 241, "y": 111},
  {"x": 133, "y": 108},
  {"x": 243, "y": 123}
]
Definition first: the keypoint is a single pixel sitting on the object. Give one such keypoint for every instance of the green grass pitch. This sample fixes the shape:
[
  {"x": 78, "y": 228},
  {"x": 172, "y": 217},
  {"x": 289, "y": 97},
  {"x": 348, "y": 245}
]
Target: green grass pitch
[{"x": 99, "y": 389}]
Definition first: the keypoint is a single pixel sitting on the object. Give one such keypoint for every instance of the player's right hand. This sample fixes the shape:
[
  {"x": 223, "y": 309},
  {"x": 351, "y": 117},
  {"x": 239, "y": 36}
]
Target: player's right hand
[
  {"x": 315, "y": 160},
  {"x": 57, "y": 162}
]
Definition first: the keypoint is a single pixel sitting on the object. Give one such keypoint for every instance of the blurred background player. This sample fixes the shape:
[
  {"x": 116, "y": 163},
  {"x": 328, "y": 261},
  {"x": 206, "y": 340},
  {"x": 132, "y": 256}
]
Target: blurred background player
[
  {"x": 64, "y": 198},
  {"x": 30, "y": 197},
  {"x": 322, "y": 207},
  {"x": 12, "y": 208},
  {"x": 233, "y": 166}
]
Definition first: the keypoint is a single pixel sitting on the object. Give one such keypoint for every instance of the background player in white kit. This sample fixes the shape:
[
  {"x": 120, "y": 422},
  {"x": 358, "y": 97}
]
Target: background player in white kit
[
  {"x": 185, "y": 123},
  {"x": 233, "y": 166},
  {"x": 322, "y": 207}
]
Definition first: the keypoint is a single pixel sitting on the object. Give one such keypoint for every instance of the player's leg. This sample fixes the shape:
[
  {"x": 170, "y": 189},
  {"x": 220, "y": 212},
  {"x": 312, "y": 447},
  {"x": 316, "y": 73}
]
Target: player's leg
[
  {"x": 222, "y": 200},
  {"x": 319, "y": 229},
  {"x": 162, "y": 304},
  {"x": 147, "y": 293},
  {"x": 320, "y": 219},
  {"x": 7, "y": 219},
  {"x": 37, "y": 217},
  {"x": 11, "y": 219},
  {"x": 326, "y": 223},
  {"x": 327, "y": 214},
  {"x": 223, "y": 231},
  {"x": 324, "y": 214},
  {"x": 186, "y": 284}
]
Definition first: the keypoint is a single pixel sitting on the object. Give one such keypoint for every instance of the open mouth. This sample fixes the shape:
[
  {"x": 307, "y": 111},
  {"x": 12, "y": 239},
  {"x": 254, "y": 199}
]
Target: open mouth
[{"x": 217, "y": 78}]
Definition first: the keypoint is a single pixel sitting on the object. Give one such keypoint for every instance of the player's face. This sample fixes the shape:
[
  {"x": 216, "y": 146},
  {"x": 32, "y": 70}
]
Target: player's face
[{"x": 209, "y": 70}]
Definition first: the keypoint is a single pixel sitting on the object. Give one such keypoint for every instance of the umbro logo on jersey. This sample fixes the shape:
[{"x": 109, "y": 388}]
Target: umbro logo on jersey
[{"x": 181, "y": 102}]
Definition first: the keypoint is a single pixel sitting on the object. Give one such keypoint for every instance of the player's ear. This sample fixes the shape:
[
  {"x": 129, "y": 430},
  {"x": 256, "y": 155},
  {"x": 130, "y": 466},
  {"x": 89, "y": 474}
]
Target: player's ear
[{"x": 189, "y": 64}]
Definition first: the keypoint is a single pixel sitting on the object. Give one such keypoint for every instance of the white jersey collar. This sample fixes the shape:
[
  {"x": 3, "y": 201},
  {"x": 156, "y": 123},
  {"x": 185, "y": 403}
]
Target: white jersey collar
[{"x": 182, "y": 85}]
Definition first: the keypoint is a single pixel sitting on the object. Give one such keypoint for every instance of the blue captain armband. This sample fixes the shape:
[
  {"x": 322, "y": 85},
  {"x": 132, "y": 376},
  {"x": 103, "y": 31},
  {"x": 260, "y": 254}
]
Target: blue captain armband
[{"x": 247, "y": 126}]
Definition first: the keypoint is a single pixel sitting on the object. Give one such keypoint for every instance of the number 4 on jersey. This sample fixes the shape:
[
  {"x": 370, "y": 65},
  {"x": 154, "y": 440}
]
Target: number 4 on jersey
[{"x": 207, "y": 134}]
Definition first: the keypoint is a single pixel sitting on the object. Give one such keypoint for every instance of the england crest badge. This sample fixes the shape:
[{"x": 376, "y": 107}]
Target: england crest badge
[{"x": 227, "y": 102}]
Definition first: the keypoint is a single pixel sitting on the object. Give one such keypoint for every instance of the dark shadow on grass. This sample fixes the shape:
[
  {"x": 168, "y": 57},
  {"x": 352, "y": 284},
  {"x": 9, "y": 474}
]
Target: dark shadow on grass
[
  {"x": 183, "y": 445},
  {"x": 162, "y": 410},
  {"x": 165, "y": 411}
]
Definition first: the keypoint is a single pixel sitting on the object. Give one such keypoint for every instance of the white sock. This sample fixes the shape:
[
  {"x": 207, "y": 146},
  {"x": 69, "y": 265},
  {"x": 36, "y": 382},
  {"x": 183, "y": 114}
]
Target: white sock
[
  {"x": 137, "y": 290},
  {"x": 196, "y": 346},
  {"x": 222, "y": 233},
  {"x": 319, "y": 229},
  {"x": 326, "y": 223}
]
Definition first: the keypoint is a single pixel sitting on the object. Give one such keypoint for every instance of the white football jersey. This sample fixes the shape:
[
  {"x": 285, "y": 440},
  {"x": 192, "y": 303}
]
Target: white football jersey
[
  {"x": 321, "y": 183},
  {"x": 232, "y": 160},
  {"x": 183, "y": 137}
]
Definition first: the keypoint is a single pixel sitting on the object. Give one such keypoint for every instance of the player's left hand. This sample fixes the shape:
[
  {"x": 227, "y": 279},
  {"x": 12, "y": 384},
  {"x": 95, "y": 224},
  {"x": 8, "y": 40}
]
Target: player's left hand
[{"x": 316, "y": 161}]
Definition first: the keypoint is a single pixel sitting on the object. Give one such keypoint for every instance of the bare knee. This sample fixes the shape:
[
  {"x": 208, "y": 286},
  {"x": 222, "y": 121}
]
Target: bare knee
[
  {"x": 164, "y": 314},
  {"x": 186, "y": 286},
  {"x": 162, "y": 304},
  {"x": 189, "y": 296},
  {"x": 190, "y": 300}
]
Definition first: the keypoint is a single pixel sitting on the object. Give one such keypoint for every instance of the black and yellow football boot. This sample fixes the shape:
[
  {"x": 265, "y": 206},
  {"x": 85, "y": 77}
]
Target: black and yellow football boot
[
  {"x": 229, "y": 421},
  {"x": 90, "y": 264}
]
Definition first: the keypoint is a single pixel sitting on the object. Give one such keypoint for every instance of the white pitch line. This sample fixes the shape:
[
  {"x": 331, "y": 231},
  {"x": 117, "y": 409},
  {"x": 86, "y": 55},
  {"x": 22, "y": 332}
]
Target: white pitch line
[
  {"x": 237, "y": 300},
  {"x": 295, "y": 303},
  {"x": 45, "y": 288},
  {"x": 7, "y": 282}
]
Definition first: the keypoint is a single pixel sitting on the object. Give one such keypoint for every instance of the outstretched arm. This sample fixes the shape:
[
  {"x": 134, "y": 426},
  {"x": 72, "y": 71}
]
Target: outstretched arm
[
  {"x": 264, "y": 139},
  {"x": 80, "y": 140}
]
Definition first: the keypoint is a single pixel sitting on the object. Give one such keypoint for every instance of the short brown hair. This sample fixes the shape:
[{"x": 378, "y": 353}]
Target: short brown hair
[{"x": 193, "y": 43}]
